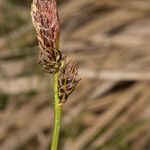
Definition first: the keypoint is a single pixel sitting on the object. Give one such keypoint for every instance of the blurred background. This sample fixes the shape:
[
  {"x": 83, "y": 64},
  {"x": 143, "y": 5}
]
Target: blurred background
[{"x": 110, "y": 110}]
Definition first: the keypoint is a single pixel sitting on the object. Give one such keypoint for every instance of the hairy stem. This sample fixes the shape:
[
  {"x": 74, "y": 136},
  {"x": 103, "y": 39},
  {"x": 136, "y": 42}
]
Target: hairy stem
[{"x": 57, "y": 114}]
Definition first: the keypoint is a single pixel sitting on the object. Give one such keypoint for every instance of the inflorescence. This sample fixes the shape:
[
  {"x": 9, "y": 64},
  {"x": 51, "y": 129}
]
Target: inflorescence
[{"x": 46, "y": 22}]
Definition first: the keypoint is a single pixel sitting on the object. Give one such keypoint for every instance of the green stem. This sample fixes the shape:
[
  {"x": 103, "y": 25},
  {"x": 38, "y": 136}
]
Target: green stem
[{"x": 57, "y": 114}]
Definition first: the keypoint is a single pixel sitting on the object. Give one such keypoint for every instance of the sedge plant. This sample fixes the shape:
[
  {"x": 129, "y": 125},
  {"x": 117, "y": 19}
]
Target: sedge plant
[{"x": 45, "y": 19}]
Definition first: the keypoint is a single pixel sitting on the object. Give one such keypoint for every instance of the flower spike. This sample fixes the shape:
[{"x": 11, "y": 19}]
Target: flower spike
[
  {"x": 46, "y": 22},
  {"x": 68, "y": 80}
]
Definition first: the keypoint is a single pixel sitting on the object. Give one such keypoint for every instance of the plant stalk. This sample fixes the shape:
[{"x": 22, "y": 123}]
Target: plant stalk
[{"x": 57, "y": 114}]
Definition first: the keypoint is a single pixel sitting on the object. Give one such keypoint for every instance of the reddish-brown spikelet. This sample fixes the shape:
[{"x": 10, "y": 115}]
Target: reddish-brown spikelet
[
  {"x": 45, "y": 19},
  {"x": 68, "y": 80},
  {"x": 46, "y": 22}
]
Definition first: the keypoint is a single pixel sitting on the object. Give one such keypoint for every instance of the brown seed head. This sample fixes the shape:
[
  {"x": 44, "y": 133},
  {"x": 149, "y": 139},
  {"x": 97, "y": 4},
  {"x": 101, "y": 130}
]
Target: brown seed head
[
  {"x": 68, "y": 80},
  {"x": 51, "y": 60},
  {"x": 45, "y": 19}
]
